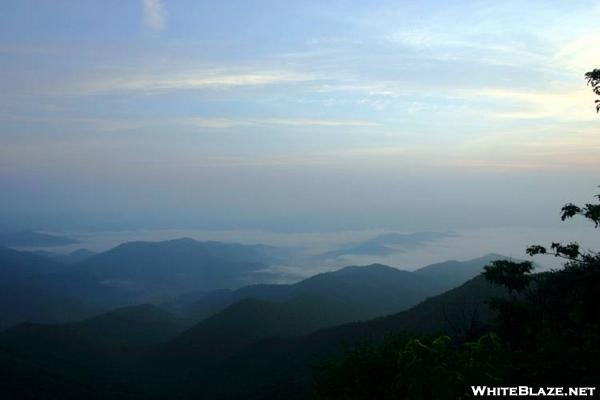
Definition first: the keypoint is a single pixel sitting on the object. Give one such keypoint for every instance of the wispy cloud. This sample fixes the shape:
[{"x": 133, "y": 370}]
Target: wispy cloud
[
  {"x": 582, "y": 53},
  {"x": 220, "y": 123},
  {"x": 58, "y": 123},
  {"x": 203, "y": 79},
  {"x": 154, "y": 14},
  {"x": 563, "y": 104}
]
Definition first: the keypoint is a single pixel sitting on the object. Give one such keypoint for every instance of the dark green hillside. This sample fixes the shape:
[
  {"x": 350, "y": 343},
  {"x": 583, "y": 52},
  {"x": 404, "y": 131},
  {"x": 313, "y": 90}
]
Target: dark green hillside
[
  {"x": 350, "y": 294},
  {"x": 369, "y": 291},
  {"x": 376, "y": 289},
  {"x": 26, "y": 378},
  {"x": 27, "y": 291},
  {"x": 95, "y": 358},
  {"x": 251, "y": 320},
  {"x": 16, "y": 265},
  {"x": 96, "y": 355},
  {"x": 140, "y": 325},
  {"x": 234, "y": 345},
  {"x": 31, "y": 301},
  {"x": 132, "y": 326},
  {"x": 280, "y": 368}
]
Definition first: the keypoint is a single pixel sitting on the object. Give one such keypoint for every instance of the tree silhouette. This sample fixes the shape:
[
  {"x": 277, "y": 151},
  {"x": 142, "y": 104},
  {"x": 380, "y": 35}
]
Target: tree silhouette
[
  {"x": 593, "y": 78},
  {"x": 571, "y": 251}
]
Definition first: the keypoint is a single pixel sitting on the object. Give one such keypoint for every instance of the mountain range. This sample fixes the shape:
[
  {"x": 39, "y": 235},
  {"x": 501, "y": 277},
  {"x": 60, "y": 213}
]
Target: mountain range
[
  {"x": 90, "y": 332},
  {"x": 387, "y": 290},
  {"x": 189, "y": 277},
  {"x": 44, "y": 288},
  {"x": 385, "y": 244},
  {"x": 241, "y": 350},
  {"x": 33, "y": 239},
  {"x": 151, "y": 271},
  {"x": 281, "y": 367}
]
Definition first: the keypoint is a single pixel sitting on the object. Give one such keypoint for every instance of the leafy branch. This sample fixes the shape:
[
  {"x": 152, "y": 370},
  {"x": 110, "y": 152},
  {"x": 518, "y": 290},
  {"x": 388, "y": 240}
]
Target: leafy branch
[
  {"x": 571, "y": 251},
  {"x": 593, "y": 78}
]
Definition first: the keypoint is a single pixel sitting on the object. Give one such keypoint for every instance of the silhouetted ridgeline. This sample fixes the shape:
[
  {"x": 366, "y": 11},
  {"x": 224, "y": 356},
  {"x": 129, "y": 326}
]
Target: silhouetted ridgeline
[
  {"x": 259, "y": 336},
  {"x": 33, "y": 239}
]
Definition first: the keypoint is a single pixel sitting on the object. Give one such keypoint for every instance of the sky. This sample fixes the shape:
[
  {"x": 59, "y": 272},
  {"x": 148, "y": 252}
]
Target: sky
[{"x": 295, "y": 116}]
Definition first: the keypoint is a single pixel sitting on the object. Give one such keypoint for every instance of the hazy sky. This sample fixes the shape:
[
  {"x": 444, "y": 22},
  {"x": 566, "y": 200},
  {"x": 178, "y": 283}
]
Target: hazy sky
[{"x": 303, "y": 115}]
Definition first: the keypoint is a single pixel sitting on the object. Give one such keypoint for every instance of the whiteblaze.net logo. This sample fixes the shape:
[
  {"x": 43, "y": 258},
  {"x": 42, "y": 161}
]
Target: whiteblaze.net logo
[{"x": 488, "y": 391}]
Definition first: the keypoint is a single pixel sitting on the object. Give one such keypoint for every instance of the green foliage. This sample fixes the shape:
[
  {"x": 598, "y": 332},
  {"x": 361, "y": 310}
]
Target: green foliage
[
  {"x": 514, "y": 276},
  {"x": 443, "y": 370},
  {"x": 571, "y": 251},
  {"x": 367, "y": 371},
  {"x": 589, "y": 211},
  {"x": 555, "y": 322},
  {"x": 417, "y": 368},
  {"x": 593, "y": 78}
]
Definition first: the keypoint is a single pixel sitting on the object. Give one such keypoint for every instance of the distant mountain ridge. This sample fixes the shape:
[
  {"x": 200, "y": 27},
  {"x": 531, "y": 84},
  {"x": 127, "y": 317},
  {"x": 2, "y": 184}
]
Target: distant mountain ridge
[
  {"x": 45, "y": 288},
  {"x": 385, "y": 244},
  {"x": 450, "y": 274},
  {"x": 387, "y": 290},
  {"x": 151, "y": 271},
  {"x": 15, "y": 265},
  {"x": 350, "y": 294},
  {"x": 332, "y": 298},
  {"x": 38, "y": 289},
  {"x": 33, "y": 239},
  {"x": 415, "y": 286}
]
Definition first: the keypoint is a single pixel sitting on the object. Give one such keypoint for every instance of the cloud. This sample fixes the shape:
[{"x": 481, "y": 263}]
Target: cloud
[
  {"x": 206, "y": 79},
  {"x": 112, "y": 125},
  {"x": 581, "y": 54},
  {"x": 154, "y": 14},
  {"x": 563, "y": 104},
  {"x": 223, "y": 123}
]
